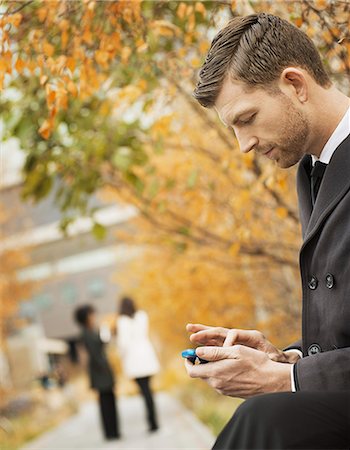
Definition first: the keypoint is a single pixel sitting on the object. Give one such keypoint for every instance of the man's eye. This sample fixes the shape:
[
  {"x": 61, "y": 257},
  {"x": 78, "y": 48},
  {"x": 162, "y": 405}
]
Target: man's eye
[{"x": 245, "y": 122}]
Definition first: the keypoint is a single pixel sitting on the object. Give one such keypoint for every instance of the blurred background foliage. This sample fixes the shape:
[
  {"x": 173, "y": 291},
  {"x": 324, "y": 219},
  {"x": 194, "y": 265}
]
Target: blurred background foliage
[{"x": 99, "y": 95}]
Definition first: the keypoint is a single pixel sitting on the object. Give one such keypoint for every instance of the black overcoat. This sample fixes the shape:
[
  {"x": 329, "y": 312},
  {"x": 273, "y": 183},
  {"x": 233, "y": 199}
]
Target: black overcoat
[
  {"x": 325, "y": 276},
  {"x": 100, "y": 372}
]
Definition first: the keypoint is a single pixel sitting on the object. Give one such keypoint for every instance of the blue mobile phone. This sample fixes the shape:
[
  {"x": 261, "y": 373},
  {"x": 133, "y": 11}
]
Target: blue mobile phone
[{"x": 190, "y": 354}]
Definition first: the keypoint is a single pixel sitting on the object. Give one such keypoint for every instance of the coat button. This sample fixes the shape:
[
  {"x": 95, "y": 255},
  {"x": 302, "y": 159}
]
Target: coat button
[
  {"x": 314, "y": 349},
  {"x": 329, "y": 280},
  {"x": 313, "y": 282}
]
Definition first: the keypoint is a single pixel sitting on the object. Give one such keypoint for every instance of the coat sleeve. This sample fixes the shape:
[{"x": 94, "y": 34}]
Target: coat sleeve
[{"x": 328, "y": 371}]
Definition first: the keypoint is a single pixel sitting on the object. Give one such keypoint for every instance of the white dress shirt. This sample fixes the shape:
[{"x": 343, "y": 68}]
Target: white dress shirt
[{"x": 338, "y": 136}]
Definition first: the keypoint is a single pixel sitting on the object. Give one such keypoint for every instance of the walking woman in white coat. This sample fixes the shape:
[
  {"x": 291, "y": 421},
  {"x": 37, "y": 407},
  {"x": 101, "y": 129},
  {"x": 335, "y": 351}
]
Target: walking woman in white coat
[{"x": 139, "y": 359}]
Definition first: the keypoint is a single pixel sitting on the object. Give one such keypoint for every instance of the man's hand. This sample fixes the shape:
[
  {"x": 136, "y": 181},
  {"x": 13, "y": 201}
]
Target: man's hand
[
  {"x": 240, "y": 371},
  {"x": 225, "y": 337}
]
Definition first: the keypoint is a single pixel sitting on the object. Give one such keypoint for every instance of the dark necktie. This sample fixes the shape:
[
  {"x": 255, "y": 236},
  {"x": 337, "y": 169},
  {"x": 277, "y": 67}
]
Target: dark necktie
[{"x": 316, "y": 177}]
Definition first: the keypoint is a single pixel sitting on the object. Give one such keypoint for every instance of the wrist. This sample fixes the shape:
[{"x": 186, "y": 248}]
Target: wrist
[{"x": 282, "y": 378}]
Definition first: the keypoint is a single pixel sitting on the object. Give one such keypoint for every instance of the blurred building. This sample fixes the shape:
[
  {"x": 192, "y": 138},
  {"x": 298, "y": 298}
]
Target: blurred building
[{"x": 68, "y": 271}]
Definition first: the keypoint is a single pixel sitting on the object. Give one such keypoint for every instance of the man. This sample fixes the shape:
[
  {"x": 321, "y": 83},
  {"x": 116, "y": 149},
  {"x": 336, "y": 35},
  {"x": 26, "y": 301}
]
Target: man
[
  {"x": 266, "y": 80},
  {"x": 100, "y": 372}
]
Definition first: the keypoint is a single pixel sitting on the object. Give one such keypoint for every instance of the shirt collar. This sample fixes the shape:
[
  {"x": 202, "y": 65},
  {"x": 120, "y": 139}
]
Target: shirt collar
[{"x": 337, "y": 137}]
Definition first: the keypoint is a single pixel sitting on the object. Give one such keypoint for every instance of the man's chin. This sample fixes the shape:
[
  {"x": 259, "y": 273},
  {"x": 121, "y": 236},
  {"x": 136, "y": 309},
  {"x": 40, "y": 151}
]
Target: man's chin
[{"x": 283, "y": 164}]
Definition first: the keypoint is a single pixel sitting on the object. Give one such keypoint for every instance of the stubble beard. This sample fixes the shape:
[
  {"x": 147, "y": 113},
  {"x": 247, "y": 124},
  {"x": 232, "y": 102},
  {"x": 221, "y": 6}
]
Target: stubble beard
[{"x": 294, "y": 131}]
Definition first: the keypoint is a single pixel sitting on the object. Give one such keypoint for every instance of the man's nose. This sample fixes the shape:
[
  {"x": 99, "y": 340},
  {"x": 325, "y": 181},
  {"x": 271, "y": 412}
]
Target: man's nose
[{"x": 246, "y": 143}]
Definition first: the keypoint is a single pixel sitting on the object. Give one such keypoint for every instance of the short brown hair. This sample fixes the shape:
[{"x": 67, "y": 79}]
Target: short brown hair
[{"x": 255, "y": 49}]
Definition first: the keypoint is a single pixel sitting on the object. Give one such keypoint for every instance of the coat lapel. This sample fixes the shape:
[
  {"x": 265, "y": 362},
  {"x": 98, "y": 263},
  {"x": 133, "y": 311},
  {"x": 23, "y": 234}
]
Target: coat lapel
[{"x": 335, "y": 184}]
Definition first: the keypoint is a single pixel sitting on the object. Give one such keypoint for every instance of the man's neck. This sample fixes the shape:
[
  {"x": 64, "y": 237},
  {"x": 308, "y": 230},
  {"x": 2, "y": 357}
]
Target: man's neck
[{"x": 329, "y": 111}]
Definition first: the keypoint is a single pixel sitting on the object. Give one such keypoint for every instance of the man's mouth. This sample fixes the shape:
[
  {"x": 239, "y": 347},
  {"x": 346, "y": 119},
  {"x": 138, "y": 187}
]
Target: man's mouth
[{"x": 268, "y": 154}]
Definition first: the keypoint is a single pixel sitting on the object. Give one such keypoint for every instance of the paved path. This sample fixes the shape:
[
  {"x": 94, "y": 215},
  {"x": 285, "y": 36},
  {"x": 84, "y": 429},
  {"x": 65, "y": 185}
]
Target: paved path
[{"x": 179, "y": 429}]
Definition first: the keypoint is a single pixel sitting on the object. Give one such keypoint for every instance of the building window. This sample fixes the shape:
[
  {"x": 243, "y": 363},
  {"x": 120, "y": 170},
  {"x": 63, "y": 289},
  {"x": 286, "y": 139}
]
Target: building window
[
  {"x": 69, "y": 293},
  {"x": 27, "y": 310},
  {"x": 43, "y": 301},
  {"x": 96, "y": 288}
]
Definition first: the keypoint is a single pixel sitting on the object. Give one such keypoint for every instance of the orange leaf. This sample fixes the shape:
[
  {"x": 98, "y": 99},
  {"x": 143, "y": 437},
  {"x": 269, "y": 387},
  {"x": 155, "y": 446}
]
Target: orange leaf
[
  {"x": 48, "y": 49},
  {"x": 72, "y": 89},
  {"x": 46, "y": 129},
  {"x": 50, "y": 95},
  {"x": 64, "y": 39},
  {"x": 101, "y": 57},
  {"x": 42, "y": 13},
  {"x": 63, "y": 25},
  {"x": 15, "y": 19},
  {"x": 70, "y": 63},
  {"x": 20, "y": 65},
  {"x": 298, "y": 21},
  {"x": 87, "y": 37},
  {"x": 43, "y": 79}
]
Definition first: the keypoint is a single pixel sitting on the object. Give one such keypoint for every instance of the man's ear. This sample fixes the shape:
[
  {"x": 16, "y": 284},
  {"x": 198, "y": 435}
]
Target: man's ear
[{"x": 294, "y": 81}]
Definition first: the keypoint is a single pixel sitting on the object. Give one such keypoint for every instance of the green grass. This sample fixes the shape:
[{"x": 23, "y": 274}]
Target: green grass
[
  {"x": 28, "y": 426},
  {"x": 213, "y": 409}
]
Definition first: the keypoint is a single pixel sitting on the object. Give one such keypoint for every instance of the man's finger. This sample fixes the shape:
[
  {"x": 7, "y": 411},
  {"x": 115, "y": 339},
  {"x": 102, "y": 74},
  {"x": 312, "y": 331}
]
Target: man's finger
[
  {"x": 210, "y": 336},
  {"x": 194, "y": 327},
  {"x": 214, "y": 353},
  {"x": 197, "y": 370},
  {"x": 249, "y": 338}
]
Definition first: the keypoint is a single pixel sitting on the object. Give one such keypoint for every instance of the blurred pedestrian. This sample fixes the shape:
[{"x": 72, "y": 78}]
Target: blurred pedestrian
[
  {"x": 139, "y": 359},
  {"x": 101, "y": 376}
]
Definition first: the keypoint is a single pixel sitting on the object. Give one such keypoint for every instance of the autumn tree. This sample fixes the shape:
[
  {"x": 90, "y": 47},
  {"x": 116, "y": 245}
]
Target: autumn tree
[
  {"x": 12, "y": 289},
  {"x": 104, "y": 101}
]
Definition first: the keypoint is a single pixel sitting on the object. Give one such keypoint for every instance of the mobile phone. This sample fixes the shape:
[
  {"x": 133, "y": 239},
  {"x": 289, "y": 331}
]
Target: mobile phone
[{"x": 190, "y": 354}]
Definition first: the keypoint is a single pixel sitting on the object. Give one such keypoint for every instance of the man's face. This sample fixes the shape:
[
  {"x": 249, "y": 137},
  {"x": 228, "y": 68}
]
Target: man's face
[{"x": 268, "y": 123}]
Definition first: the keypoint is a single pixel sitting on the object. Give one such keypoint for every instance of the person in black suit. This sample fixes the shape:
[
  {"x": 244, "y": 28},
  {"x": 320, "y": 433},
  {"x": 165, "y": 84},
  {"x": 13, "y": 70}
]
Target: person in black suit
[
  {"x": 100, "y": 372},
  {"x": 266, "y": 80}
]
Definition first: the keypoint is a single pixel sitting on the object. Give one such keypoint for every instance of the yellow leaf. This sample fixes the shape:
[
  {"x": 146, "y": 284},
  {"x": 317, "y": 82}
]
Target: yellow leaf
[
  {"x": 70, "y": 63},
  {"x": 20, "y": 65},
  {"x": 204, "y": 47},
  {"x": 64, "y": 39},
  {"x": 42, "y": 13},
  {"x": 165, "y": 28},
  {"x": 195, "y": 62},
  {"x": 72, "y": 89},
  {"x": 142, "y": 84},
  {"x": 48, "y": 49},
  {"x": 281, "y": 212},
  {"x": 63, "y": 25},
  {"x": 200, "y": 8},
  {"x": 321, "y": 3},
  {"x": 101, "y": 57},
  {"x": 126, "y": 52},
  {"x": 15, "y": 19},
  {"x": 182, "y": 52},
  {"x": 43, "y": 79},
  {"x": 234, "y": 249},
  {"x": 282, "y": 183},
  {"x": 87, "y": 37},
  {"x": 181, "y": 10}
]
